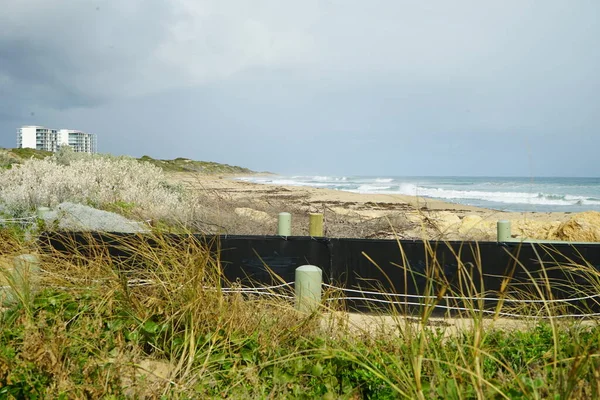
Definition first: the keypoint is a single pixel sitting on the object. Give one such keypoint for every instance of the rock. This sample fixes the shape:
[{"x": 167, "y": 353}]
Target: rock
[
  {"x": 541, "y": 230},
  {"x": 582, "y": 227},
  {"x": 78, "y": 217},
  {"x": 447, "y": 222},
  {"x": 255, "y": 215},
  {"x": 145, "y": 379},
  {"x": 470, "y": 223},
  {"x": 155, "y": 370}
]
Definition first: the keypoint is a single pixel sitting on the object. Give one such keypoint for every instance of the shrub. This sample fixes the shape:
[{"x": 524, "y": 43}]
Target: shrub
[
  {"x": 7, "y": 160},
  {"x": 98, "y": 181}
]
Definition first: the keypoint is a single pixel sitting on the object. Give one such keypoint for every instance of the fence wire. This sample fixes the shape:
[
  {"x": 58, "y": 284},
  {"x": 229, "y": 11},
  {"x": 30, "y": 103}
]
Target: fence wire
[
  {"x": 464, "y": 298},
  {"x": 274, "y": 291},
  {"x": 20, "y": 221}
]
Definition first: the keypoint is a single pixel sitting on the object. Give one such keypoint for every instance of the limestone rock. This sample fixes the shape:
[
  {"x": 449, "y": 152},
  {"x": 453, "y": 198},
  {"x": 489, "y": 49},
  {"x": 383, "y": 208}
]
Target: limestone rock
[
  {"x": 541, "y": 230},
  {"x": 470, "y": 223},
  {"x": 78, "y": 217},
  {"x": 582, "y": 227},
  {"x": 447, "y": 222}
]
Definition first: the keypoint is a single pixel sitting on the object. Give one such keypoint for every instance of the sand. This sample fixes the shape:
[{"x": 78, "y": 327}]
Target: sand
[{"x": 380, "y": 215}]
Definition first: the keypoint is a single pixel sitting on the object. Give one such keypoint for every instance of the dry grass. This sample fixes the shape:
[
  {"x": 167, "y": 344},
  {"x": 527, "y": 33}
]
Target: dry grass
[{"x": 96, "y": 327}]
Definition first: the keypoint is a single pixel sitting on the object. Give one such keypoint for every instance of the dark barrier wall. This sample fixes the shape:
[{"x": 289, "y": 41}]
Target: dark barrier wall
[
  {"x": 407, "y": 268},
  {"x": 269, "y": 260},
  {"x": 469, "y": 269}
]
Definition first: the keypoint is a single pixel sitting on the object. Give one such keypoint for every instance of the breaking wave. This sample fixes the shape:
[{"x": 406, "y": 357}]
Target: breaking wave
[{"x": 558, "y": 194}]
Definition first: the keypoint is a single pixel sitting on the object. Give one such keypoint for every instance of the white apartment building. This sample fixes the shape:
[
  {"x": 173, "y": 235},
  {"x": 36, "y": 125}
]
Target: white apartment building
[{"x": 41, "y": 138}]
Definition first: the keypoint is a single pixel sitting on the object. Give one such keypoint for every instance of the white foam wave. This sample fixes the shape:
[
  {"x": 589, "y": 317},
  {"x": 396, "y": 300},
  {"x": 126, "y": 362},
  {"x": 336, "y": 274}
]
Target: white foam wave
[
  {"x": 281, "y": 181},
  {"x": 497, "y": 197},
  {"x": 367, "y": 188},
  {"x": 388, "y": 186}
]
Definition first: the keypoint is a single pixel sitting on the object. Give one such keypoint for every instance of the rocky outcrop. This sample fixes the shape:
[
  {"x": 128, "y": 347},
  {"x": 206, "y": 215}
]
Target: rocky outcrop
[
  {"x": 582, "y": 227},
  {"x": 540, "y": 230},
  {"x": 78, "y": 217},
  {"x": 446, "y": 222}
]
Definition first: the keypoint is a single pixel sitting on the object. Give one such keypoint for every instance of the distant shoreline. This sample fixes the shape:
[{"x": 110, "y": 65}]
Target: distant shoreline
[
  {"x": 569, "y": 195},
  {"x": 423, "y": 218}
]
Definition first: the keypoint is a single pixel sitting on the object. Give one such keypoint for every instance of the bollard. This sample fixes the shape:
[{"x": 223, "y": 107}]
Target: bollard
[
  {"x": 42, "y": 211},
  {"x": 315, "y": 225},
  {"x": 504, "y": 234},
  {"x": 21, "y": 281},
  {"x": 284, "y": 226},
  {"x": 308, "y": 288}
]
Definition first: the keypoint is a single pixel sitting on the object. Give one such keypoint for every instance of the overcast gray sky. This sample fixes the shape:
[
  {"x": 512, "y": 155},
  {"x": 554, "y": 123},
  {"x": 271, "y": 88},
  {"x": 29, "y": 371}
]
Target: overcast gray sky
[{"x": 377, "y": 87}]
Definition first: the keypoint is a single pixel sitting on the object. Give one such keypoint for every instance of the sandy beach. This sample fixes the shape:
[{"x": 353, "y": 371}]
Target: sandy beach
[{"x": 250, "y": 208}]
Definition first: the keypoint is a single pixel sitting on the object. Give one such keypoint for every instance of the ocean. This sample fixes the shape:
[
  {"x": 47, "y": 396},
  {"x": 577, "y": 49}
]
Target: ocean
[{"x": 505, "y": 194}]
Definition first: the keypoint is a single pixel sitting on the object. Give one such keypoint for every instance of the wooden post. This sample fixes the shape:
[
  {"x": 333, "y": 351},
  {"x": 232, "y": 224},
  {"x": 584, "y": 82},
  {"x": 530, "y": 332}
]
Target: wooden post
[
  {"x": 315, "y": 225},
  {"x": 21, "y": 280},
  {"x": 284, "y": 226},
  {"x": 504, "y": 234},
  {"x": 309, "y": 279},
  {"x": 42, "y": 211}
]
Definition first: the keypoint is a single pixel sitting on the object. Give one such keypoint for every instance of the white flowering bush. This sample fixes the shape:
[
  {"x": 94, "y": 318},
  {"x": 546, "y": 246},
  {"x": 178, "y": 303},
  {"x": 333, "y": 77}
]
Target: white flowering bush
[{"x": 96, "y": 181}]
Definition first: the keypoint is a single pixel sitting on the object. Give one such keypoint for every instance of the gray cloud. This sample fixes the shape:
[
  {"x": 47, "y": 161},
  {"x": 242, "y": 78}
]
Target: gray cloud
[{"x": 455, "y": 81}]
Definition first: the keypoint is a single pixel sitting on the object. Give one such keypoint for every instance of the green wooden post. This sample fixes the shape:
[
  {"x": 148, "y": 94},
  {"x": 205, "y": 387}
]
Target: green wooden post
[
  {"x": 21, "y": 281},
  {"x": 309, "y": 279},
  {"x": 315, "y": 225},
  {"x": 504, "y": 234},
  {"x": 284, "y": 226},
  {"x": 42, "y": 211}
]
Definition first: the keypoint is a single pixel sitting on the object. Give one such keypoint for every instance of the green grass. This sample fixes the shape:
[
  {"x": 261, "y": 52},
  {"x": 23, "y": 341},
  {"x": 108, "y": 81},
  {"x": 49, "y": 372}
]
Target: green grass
[
  {"x": 187, "y": 165},
  {"x": 9, "y": 157},
  {"x": 26, "y": 153},
  {"x": 86, "y": 332}
]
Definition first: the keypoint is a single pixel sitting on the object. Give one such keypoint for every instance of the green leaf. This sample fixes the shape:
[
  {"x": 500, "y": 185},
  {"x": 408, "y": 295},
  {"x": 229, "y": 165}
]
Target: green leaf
[
  {"x": 317, "y": 370},
  {"x": 150, "y": 326}
]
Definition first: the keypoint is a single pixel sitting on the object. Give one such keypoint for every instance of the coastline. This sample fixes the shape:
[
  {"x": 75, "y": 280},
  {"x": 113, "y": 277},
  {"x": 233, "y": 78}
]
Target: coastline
[{"x": 408, "y": 217}]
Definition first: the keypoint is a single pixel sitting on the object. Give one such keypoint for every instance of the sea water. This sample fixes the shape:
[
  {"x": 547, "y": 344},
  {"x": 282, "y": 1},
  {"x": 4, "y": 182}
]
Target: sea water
[{"x": 506, "y": 194}]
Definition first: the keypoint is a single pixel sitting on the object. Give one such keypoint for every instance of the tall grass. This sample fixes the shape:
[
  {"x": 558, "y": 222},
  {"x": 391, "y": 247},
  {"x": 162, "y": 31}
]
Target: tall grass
[{"x": 98, "y": 327}]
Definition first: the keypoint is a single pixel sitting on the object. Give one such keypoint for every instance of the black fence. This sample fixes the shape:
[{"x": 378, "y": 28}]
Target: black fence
[{"x": 408, "y": 275}]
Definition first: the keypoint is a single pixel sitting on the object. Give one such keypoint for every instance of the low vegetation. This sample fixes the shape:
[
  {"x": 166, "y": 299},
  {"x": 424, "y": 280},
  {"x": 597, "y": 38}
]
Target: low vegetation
[
  {"x": 137, "y": 189},
  {"x": 90, "y": 326},
  {"x": 9, "y": 157},
  {"x": 187, "y": 165}
]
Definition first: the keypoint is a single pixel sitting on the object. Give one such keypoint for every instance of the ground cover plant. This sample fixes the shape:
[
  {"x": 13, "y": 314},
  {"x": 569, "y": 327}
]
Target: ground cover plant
[{"x": 92, "y": 326}]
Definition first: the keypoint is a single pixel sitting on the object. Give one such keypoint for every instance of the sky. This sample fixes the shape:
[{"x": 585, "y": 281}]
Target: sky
[{"x": 337, "y": 87}]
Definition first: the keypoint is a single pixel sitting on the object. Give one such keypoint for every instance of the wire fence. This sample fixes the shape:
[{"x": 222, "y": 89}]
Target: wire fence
[
  {"x": 286, "y": 291},
  {"x": 438, "y": 302},
  {"x": 466, "y": 298},
  {"x": 31, "y": 218},
  {"x": 21, "y": 222}
]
